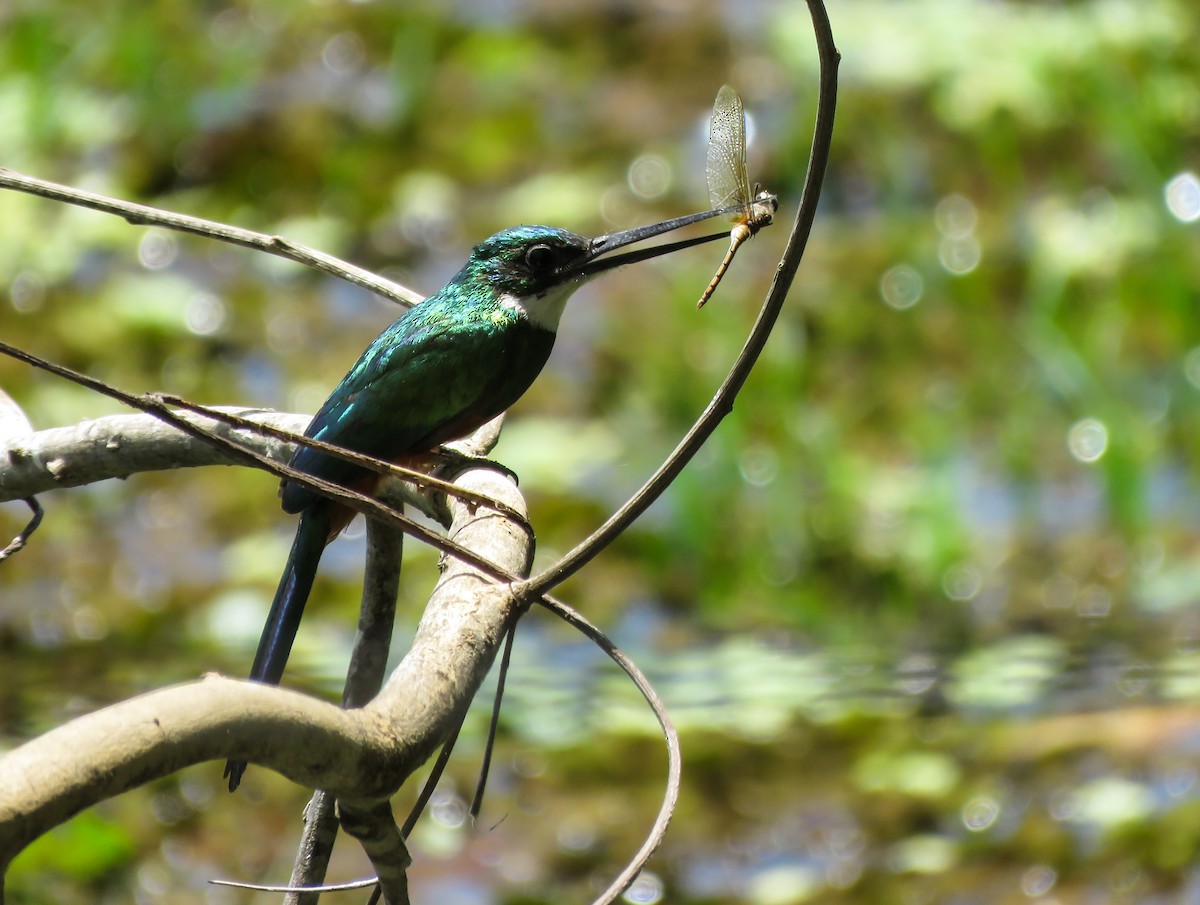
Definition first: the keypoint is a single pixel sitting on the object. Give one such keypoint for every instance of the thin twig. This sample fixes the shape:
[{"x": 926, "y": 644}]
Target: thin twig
[
  {"x": 670, "y": 735},
  {"x": 431, "y": 782},
  {"x": 19, "y": 542},
  {"x": 144, "y": 215},
  {"x": 286, "y": 888},
  {"x": 13, "y": 424},
  {"x": 486, "y": 766}
]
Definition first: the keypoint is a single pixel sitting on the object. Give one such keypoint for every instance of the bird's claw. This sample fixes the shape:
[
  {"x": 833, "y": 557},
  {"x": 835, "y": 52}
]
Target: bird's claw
[{"x": 454, "y": 461}]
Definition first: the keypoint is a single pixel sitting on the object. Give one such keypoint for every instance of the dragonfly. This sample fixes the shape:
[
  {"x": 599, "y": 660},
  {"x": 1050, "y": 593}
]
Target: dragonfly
[{"x": 728, "y": 184}]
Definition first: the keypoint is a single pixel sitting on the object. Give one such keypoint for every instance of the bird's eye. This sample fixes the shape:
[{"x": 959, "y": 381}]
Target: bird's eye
[{"x": 540, "y": 257}]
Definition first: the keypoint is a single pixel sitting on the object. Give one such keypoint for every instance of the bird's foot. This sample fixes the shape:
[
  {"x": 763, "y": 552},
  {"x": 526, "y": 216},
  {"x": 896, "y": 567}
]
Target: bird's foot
[{"x": 453, "y": 461}]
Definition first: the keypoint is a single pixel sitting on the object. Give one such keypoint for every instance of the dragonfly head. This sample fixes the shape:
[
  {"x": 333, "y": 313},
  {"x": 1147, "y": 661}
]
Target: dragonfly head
[{"x": 762, "y": 210}]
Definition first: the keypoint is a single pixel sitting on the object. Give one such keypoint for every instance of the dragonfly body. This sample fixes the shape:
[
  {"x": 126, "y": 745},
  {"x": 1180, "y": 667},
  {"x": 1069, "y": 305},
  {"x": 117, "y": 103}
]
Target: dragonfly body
[{"x": 728, "y": 182}]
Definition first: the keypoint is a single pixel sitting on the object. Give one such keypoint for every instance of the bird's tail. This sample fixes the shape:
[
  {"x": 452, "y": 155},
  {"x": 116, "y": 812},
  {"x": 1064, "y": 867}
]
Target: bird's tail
[{"x": 312, "y": 534}]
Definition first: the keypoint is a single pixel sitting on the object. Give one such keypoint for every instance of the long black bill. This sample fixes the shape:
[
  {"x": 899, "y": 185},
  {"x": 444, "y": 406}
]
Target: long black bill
[{"x": 602, "y": 245}]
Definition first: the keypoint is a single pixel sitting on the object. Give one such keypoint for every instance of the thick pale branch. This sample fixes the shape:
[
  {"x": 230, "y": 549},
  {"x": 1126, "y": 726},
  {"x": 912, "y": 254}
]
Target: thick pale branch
[
  {"x": 92, "y": 758},
  {"x": 467, "y": 611},
  {"x": 118, "y": 446},
  {"x": 363, "y": 756}
]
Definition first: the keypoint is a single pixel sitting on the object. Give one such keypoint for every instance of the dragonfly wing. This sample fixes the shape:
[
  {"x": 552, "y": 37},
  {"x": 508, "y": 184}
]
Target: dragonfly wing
[{"x": 725, "y": 167}]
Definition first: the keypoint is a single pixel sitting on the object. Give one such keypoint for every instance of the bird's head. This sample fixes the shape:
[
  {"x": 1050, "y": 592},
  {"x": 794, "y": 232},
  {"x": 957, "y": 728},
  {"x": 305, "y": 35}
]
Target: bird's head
[{"x": 536, "y": 268}]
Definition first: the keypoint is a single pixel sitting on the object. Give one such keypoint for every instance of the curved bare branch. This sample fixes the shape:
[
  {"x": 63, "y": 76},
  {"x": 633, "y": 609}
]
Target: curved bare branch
[
  {"x": 721, "y": 403},
  {"x": 142, "y": 214}
]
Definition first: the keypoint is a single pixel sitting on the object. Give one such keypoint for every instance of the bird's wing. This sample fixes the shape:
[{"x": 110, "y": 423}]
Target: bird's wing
[{"x": 417, "y": 385}]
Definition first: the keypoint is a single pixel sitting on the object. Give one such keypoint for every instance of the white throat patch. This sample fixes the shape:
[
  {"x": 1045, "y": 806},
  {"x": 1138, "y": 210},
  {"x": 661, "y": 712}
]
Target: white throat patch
[{"x": 543, "y": 310}]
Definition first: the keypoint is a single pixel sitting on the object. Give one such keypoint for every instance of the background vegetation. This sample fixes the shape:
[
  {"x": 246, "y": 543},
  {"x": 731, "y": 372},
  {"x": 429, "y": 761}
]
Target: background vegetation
[{"x": 927, "y": 608}]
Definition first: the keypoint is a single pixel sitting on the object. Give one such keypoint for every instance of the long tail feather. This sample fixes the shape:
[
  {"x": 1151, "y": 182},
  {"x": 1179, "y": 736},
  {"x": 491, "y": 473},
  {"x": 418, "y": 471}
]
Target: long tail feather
[{"x": 288, "y": 606}]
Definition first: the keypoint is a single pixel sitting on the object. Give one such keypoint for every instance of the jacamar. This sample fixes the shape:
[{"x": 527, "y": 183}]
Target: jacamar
[{"x": 444, "y": 368}]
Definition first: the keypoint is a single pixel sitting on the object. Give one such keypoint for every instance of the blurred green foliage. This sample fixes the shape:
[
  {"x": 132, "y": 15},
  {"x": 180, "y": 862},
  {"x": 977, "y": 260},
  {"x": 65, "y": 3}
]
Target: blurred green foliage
[{"x": 926, "y": 606}]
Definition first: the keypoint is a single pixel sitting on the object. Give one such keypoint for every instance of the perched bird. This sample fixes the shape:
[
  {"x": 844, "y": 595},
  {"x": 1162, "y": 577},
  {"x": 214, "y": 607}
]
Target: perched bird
[{"x": 444, "y": 368}]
